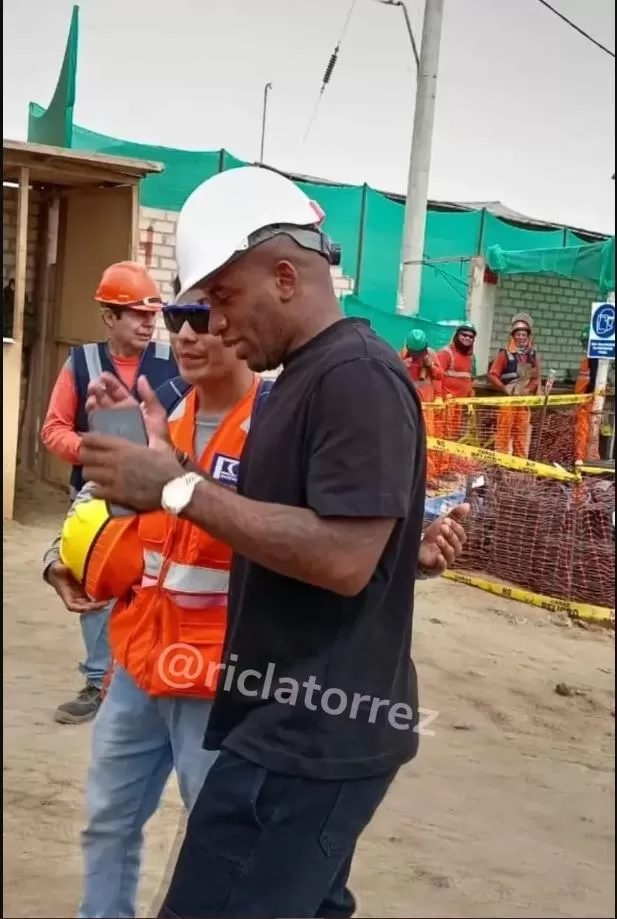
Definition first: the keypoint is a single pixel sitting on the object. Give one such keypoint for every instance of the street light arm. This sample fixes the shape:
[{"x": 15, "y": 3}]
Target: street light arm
[
  {"x": 267, "y": 89},
  {"x": 412, "y": 39},
  {"x": 414, "y": 47}
]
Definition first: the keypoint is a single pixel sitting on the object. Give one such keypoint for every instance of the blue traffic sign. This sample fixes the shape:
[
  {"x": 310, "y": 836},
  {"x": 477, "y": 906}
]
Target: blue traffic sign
[{"x": 602, "y": 332}]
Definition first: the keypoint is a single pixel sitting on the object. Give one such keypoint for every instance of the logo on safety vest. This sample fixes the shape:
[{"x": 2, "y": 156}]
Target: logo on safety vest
[{"x": 225, "y": 469}]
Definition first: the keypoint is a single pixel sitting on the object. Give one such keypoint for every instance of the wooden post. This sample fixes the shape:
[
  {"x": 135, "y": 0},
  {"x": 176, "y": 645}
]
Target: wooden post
[
  {"x": 30, "y": 453},
  {"x": 11, "y": 370},
  {"x": 135, "y": 223}
]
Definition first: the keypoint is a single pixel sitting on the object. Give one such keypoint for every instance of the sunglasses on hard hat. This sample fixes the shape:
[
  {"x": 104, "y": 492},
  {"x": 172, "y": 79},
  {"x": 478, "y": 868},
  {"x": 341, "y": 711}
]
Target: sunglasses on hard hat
[{"x": 196, "y": 314}]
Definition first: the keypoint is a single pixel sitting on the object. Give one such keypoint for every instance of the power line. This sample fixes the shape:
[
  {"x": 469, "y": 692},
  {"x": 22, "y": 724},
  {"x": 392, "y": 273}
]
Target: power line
[
  {"x": 576, "y": 28},
  {"x": 330, "y": 67}
]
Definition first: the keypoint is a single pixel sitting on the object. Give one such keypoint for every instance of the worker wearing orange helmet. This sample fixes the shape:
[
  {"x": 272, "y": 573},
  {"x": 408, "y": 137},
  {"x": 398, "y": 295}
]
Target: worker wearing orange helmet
[
  {"x": 516, "y": 372},
  {"x": 129, "y": 302}
]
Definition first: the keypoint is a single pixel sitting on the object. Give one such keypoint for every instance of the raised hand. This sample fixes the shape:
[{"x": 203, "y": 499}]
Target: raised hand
[{"x": 109, "y": 392}]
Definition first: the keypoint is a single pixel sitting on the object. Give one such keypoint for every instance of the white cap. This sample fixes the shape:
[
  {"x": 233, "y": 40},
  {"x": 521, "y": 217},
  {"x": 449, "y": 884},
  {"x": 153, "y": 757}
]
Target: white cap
[{"x": 220, "y": 215}]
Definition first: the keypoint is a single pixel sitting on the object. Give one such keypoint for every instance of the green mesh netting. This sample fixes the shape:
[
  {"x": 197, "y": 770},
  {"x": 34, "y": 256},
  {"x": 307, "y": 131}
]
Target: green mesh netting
[
  {"x": 444, "y": 284},
  {"x": 588, "y": 262},
  {"x": 395, "y": 327},
  {"x": 342, "y": 205}
]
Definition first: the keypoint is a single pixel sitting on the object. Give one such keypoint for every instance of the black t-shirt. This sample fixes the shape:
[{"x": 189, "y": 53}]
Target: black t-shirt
[{"x": 323, "y": 685}]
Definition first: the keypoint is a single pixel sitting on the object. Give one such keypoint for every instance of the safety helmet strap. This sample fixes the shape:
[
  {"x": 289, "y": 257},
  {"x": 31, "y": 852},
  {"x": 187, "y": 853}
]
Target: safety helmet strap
[{"x": 307, "y": 237}]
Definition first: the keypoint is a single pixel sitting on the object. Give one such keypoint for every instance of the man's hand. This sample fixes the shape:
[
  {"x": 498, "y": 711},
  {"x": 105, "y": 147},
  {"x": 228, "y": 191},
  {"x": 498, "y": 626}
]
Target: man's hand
[
  {"x": 109, "y": 392},
  {"x": 70, "y": 590},
  {"x": 127, "y": 474},
  {"x": 443, "y": 541}
]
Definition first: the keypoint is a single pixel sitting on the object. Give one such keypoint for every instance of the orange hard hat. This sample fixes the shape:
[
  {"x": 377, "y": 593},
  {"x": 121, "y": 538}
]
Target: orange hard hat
[{"x": 129, "y": 284}]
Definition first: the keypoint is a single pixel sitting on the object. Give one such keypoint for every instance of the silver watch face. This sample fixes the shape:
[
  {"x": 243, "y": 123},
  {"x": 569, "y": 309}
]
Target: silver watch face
[{"x": 177, "y": 493}]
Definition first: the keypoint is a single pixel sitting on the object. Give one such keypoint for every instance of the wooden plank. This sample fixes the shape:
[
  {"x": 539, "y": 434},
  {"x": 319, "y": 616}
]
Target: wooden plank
[
  {"x": 40, "y": 358},
  {"x": 21, "y": 153},
  {"x": 134, "y": 254},
  {"x": 21, "y": 254},
  {"x": 11, "y": 354}
]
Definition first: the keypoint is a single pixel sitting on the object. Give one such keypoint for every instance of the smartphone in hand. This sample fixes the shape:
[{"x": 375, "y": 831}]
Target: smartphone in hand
[{"x": 120, "y": 422}]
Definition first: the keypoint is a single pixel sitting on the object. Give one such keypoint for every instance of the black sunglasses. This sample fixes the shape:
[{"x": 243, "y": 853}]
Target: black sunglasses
[{"x": 197, "y": 316}]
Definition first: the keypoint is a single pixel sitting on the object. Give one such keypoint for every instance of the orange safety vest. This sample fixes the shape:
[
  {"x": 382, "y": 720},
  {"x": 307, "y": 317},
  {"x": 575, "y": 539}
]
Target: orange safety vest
[
  {"x": 457, "y": 372},
  {"x": 168, "y": 632},
  {"x": 427, "y": 382},
  {"x": 584, "y": 376}
]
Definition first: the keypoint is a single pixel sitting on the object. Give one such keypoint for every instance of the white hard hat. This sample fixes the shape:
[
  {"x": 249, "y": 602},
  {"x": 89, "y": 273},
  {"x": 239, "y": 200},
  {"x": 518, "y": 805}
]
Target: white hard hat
[
  {"x": 522, "y": 321},
  {"x": 220, "y": 216}
]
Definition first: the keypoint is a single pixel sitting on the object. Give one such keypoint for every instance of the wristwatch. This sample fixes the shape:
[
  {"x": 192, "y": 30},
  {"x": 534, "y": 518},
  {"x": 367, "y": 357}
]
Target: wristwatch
[{"x": 178, "y": 493}]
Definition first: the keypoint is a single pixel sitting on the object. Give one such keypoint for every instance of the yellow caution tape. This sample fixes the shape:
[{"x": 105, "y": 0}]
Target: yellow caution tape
[
  {"x": 491, "y": 457},
  {"x": 595, "y": 470},
  {"x": 506, "y": 401},
  {"x": 575, "y": 610}
]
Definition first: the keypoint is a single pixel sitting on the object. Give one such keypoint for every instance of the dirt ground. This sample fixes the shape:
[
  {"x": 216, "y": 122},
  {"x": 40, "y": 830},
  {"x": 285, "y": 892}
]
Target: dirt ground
[{"x": 507, "y": 812}]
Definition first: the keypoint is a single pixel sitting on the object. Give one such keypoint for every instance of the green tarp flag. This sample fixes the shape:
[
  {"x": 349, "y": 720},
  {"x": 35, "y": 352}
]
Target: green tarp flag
[{"x": 54, "y": 125}]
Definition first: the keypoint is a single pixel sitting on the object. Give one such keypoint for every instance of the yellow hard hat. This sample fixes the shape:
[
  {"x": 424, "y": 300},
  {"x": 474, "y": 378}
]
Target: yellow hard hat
[{"x": 101, "y": 551}]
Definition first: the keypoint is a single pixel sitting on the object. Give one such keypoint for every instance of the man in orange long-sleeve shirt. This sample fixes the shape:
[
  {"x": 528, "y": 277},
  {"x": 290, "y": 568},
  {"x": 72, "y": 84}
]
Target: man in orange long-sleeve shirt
[
  {"x": 516, "y": 372},
  {"x": 130, "y": 300},
  {"x": 585, "y": 385}
]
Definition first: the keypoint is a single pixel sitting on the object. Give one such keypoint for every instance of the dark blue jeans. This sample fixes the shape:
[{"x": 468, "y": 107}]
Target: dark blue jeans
[{"x": 260, "y": 844}]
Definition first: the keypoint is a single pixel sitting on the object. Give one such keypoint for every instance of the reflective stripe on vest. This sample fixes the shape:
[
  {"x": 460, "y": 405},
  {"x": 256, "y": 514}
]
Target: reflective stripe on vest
[
  {"x": 162, "y": 350},
  {"x": 192, "y": 586},
  {"x": 458, "y": 374},
  {"x": 93, "y": 361}
]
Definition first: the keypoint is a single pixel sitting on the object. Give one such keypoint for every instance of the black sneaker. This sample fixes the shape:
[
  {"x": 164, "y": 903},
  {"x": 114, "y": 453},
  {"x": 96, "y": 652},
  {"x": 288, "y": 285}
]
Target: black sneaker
[{"x": 83, "y": 708}]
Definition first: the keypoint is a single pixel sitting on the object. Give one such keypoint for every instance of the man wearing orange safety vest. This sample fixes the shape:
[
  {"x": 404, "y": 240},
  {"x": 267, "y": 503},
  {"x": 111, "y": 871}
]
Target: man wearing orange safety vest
[
  {"x": 516, "y": 372},
  {"x": 171, "y": 579},
  {"x": 129, "y": 302},
  {"x": 427, "y": 376},
  {"x": 457, "y": 362},
  {"x": 585, "y": 385}
]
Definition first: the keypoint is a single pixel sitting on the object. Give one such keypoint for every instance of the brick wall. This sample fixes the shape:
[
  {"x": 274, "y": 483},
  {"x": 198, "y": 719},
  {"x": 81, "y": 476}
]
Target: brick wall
[
  {"x": 157, "y": 238},
  {"x": 9, "y": 236},
  {"x": 560, "y": 308}
]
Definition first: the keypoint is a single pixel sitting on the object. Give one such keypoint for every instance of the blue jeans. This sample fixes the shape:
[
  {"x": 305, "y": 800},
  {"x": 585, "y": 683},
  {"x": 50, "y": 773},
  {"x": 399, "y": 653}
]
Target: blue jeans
[
  {"x": 96, "y": 642},
  {"x": 137, "y": 741},
  {"x": 260, "y": 844}
]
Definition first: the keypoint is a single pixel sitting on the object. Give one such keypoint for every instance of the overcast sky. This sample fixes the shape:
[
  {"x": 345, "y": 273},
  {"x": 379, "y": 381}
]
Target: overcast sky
[{"x": 525, "y": 106}]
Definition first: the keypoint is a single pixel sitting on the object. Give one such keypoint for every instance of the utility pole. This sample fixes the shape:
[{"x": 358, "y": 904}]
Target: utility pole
[
  {"x": 264, "y": 112},
  {"x": 420, "y": 160}
]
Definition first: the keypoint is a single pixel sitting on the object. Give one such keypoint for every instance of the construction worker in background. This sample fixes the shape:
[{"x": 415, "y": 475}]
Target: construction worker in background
[
  {"x": 129, "y": 302},
  {"x": 457, "y": 362},
  {"x": 585, "y": 385},
  {"x": 516, "y": 372},
  {"x": 427, "y": 376},
  {"x": 153, "y": 718}
]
